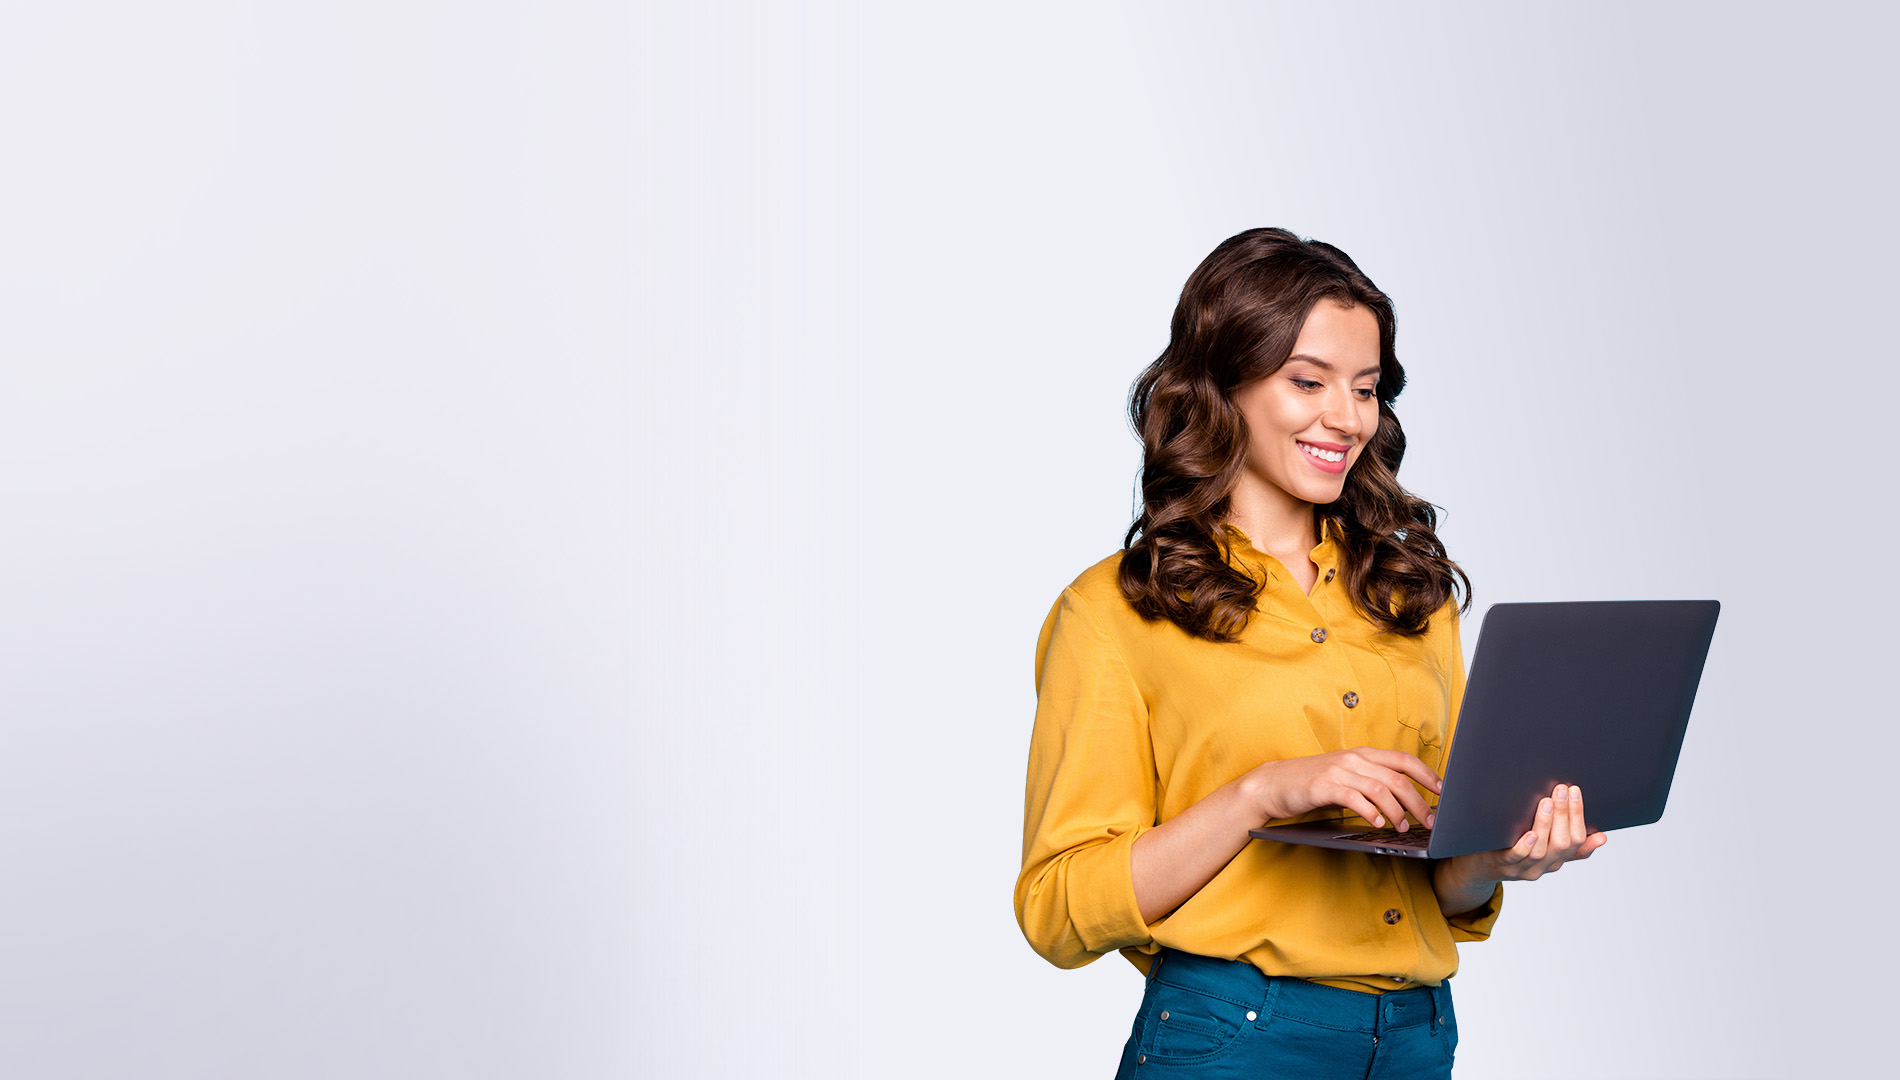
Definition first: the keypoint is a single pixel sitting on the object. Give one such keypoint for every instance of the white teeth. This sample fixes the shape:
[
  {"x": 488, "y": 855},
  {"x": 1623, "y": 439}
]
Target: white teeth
[{"x": 1324, "y": 455}]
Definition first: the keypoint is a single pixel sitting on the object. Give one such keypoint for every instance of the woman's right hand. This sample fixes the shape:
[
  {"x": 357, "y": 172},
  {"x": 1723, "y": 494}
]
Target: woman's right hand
[
  {"x": 1376, "y": 784},
  {"x": 1173, "y": 860}
]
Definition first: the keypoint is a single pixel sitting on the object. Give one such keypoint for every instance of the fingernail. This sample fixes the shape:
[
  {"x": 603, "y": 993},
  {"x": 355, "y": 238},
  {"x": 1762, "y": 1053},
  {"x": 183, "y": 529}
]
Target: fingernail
[
  {"x": 1563, "y": 793},
  {"x": 1379, "y": 821},
  {"x": 1429, "y": 819}
]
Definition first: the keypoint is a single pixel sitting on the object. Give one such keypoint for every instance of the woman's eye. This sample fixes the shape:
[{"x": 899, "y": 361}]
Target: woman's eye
[
  {"x": 1366, "y": 395},
  {"x": 1304, "y": 384}
]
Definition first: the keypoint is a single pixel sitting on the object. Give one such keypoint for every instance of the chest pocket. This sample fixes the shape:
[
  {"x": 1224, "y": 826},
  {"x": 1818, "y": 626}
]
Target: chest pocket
[{"x": 1424, "y": 701}]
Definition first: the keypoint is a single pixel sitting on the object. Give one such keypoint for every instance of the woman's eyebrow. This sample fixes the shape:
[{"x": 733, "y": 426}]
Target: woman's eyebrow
[{"x": 1317, "y": 362}]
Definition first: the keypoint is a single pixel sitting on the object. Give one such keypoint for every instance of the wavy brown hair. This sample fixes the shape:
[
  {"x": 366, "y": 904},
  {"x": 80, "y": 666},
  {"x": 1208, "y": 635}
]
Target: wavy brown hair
[{"x": 1239, "y": 316}]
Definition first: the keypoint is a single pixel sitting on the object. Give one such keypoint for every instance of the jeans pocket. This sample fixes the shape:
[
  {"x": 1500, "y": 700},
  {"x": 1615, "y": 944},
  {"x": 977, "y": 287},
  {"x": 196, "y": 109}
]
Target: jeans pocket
[{"x": 1185, "y": 1026}]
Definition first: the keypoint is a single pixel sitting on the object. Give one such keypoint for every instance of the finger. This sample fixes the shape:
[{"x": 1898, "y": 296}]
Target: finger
[
  {"x": 1590, "y": 844},
  {"x": 1409, "y": 764},
  {"x": 1411, "y": 801},
  {"x": 1562, "y": 841},
  {"x": 1393, "y": 809},
  {"x": 1359, "y": 804},
  {"x": 1408, "y": 801},
  {"x": 1577, "y": 827},
  {"x": 1381, "y": 794},
  {"x": 1546, "y": 810},
  {"x": 1510, "y": 858}
]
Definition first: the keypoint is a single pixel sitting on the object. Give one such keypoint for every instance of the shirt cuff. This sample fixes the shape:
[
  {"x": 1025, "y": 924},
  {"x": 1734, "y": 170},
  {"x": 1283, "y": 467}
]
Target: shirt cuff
[
  {"x": 1102, "y": 883},
  {"x": 1475, "y": 925}
]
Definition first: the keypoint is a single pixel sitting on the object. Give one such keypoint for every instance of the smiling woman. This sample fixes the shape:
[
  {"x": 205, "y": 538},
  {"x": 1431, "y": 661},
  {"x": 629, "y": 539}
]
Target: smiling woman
[
  {"x": 1277, "y": 641},
  {"x": 1274, "y": 396}
]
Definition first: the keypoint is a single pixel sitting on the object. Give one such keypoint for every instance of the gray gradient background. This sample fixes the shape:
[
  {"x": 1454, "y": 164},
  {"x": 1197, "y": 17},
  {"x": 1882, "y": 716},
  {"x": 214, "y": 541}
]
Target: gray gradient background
[{"x": 527, "y": 524}]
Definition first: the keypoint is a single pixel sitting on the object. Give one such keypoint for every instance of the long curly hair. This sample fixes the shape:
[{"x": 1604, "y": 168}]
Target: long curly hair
[{"x": 1240, "y": 313}]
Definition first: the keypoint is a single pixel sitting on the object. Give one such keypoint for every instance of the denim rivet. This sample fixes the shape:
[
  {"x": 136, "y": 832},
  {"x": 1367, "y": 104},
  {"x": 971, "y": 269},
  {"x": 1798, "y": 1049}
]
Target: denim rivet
[
  {"x": 1142, "y": 1060},
  {"x": 1251, "y": 1015},
  {"x": 1164, "y": 1014}
]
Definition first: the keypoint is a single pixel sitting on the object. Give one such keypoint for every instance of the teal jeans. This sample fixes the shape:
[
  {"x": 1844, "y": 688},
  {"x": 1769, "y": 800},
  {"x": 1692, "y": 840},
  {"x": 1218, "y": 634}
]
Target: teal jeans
[{"x": 1207, "y": 1018}]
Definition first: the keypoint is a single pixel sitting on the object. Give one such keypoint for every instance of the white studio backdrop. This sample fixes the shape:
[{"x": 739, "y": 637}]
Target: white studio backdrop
[{"x": 528, "y": 523}]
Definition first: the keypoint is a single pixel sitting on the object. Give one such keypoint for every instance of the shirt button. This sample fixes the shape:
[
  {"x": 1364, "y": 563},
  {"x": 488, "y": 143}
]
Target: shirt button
[
  {"x": 1391, "y": 916},
  {"x": 1351, "y": 699},
  {"x": 1329, "y": 575},
  {"x": 1319, "y": 634}
]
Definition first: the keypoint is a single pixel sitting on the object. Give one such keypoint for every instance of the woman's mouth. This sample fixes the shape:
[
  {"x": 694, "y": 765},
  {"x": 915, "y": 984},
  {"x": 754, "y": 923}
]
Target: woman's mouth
[{"x": 1328, "y": 457}]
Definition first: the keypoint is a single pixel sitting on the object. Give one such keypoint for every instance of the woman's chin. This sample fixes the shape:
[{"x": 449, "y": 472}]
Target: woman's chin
[{"x": 1322, "y": 493}]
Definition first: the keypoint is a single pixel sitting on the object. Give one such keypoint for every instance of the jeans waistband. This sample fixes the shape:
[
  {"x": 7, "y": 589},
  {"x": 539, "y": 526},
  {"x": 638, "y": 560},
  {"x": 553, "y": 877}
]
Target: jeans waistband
[{"x": 1326, "y": 1006}]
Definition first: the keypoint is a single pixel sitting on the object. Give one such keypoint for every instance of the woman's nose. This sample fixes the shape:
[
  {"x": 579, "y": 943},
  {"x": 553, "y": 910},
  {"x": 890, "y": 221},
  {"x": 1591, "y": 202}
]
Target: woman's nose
[{"x": 1341, "y": 416}]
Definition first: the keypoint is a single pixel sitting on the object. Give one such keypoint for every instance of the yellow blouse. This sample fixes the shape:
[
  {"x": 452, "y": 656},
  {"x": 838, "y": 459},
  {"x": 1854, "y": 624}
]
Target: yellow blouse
[{"x": 1137, "y": 720}]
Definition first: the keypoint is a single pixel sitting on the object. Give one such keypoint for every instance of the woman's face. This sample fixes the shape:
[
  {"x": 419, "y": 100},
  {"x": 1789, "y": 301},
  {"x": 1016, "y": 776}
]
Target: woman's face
[{"x": 1309, "y": 421}]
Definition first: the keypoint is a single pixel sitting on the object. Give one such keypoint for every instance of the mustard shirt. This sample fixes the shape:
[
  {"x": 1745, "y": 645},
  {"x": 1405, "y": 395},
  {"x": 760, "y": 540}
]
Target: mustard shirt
[{"x": 1138, "y": 720}]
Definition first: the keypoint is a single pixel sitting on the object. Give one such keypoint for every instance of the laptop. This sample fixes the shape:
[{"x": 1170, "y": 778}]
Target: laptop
[{"x": 1595, "y": 694}]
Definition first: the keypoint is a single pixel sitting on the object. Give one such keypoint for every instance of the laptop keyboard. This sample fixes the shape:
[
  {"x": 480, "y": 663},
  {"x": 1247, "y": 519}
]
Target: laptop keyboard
[{"x": 1411, "y": 838}]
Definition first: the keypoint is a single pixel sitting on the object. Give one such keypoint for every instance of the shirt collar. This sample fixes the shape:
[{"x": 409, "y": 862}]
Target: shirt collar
[{"x": 1325, "y": 554}]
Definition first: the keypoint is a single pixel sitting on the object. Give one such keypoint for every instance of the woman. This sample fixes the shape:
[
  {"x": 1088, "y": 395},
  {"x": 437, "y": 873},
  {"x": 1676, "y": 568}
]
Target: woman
[{"x": 1276, "y": 641}]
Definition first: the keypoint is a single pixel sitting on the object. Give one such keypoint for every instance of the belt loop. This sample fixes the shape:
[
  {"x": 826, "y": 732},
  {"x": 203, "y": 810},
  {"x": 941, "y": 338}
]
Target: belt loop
[{"x": 1266, "y": 1006}]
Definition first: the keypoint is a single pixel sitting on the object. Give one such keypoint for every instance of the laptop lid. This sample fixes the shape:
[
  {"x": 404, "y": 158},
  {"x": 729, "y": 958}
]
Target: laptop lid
[{"x": 1592, "y": 693}]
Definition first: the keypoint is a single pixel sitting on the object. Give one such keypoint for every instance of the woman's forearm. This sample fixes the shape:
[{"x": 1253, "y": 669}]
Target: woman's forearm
[
  {"x": 1459, "y": 888},
  {"x": 1173, "y": 860}
]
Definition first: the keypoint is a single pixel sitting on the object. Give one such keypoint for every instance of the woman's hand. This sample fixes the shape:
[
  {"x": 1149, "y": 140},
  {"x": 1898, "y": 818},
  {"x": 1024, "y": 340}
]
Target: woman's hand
[
  {"x": 1173, "y": 860},
  {"x": 1373, "y": 783},
  {"x": 1557, "y": 836}
]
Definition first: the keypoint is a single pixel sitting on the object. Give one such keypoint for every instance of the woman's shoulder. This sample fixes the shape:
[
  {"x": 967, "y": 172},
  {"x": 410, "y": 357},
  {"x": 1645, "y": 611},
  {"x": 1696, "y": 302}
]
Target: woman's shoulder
[
  {"x": 1095, "y": 595},
  {"x": 1100, "y": 586}
]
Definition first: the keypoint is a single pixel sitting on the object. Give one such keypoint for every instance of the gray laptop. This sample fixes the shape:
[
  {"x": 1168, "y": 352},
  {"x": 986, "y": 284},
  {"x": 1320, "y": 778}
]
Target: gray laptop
[{"x": 1595, "y": 694}]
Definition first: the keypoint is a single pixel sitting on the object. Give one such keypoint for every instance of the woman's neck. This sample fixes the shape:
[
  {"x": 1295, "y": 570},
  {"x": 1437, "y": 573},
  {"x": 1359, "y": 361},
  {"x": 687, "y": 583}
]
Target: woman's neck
[{"x": 1276, "y": 522}]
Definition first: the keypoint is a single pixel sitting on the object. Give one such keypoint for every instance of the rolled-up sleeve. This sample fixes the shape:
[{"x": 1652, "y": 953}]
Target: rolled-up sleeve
[
  {"x": 1090, "y": 794},
  {"x": 1475, "y": 925}
]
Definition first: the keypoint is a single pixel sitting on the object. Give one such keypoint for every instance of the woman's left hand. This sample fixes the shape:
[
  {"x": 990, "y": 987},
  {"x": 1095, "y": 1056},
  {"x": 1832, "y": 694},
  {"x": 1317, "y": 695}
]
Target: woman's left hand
[{"x": 1557, "y": 836}]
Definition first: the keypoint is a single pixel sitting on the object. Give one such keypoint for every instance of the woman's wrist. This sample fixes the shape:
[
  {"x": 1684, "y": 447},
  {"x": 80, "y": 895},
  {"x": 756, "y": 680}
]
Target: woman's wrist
[{"x": 1255, "y": 791}]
